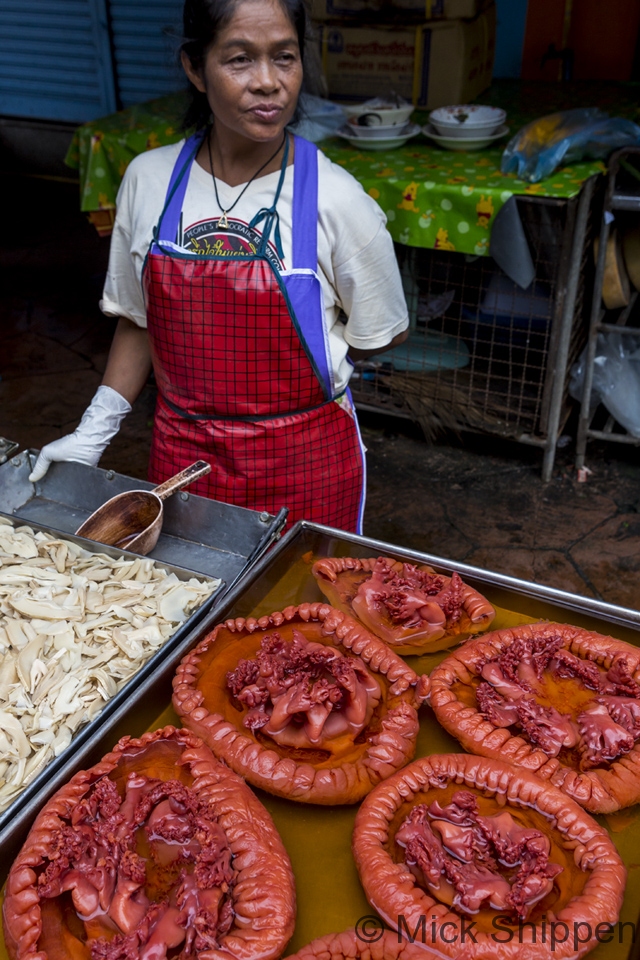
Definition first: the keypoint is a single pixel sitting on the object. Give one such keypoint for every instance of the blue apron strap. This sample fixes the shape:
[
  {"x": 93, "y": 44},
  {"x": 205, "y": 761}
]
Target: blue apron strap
[
  {"x": 270, "y": 214},
  {"x": 167, "y": 228},
  {"x": 303, "y": 289},
  {"x": 305, "y": 206}
]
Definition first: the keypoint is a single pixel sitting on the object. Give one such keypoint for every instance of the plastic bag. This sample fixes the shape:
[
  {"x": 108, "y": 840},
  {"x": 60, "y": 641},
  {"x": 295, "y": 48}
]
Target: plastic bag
[
  {"x": 565, "y": 137},
  {"x": 319, "y": 118},
  {"x": 616, "y": 379}
]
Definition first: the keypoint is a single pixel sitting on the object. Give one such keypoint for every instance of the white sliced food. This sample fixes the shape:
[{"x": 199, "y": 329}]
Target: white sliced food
[
  {"x": 24, "y": 573},
  {"x": 66, "y": 701},
  {"x": 16, "y": 632},
  {"x": 11, "y": 728},
  {"x": 150, "y": 632},
  {"x": 37, "y": 762},
  {"x": 50, "y": 681},
  {"x": 44, "y": 609},
  {"x": 8, "y": 676},
  {"x": 62, "y": 740},
  {"x": 74, "y": 627},
  {"x": 31, "y": 652},
  {"x": 174, "y": 603},
  {"x": 37, "y": 673},
  {"x": 18, "y": 545},
  {"x": 43, "y": 737}
]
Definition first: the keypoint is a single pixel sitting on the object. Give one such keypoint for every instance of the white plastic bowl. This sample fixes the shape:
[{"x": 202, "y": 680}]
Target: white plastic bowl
[
  {"x": 378, "y": 132},
  {"x": 379, "y": 143},
  {"x": 467, "y": 121},
  {"x": 467, "y": 144},
  {"x": 373, "y": 114}
]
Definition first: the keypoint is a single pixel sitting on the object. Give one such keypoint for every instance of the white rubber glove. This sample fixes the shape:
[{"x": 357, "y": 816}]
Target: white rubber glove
[{"x": 87, "y": 443}]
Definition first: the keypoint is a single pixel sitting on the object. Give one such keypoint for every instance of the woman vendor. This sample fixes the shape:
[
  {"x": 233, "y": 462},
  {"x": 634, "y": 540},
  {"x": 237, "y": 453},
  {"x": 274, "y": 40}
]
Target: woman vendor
[{"x": 234, "y": 257}]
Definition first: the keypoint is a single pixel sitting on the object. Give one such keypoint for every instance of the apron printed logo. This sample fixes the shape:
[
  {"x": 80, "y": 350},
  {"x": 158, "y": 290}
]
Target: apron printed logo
[{"x": 237, "y": 240}]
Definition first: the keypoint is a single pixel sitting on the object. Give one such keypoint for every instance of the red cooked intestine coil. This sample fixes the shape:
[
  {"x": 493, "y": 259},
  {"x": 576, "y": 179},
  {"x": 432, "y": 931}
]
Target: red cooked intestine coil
[
  {"x": 161, "y": 847},
  {"x": 409, "y": 606},
  {"x": 331, "y": 757},
  {"x": 570, "y": 870},
  {"x": 575, "y": 725}
]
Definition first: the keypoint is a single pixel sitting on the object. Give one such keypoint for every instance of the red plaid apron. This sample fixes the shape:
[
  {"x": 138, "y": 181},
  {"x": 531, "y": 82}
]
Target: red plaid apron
[{"x": 244, "y": 378}]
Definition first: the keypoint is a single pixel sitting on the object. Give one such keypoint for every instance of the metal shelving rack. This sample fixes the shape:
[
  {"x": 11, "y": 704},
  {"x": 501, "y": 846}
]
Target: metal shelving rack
[
  {"x": 621, "y": 197},
  {"x": 502, "y": 370}
]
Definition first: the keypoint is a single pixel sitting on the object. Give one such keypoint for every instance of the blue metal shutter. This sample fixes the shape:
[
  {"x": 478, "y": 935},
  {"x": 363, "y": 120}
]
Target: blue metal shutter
[
  {"x": 145, "y": 43},
  {"x": 55, "y": 60}
]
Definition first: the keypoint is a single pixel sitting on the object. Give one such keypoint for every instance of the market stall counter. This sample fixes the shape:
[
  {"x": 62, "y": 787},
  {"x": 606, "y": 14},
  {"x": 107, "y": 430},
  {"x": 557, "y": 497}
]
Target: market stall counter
[
  {"x": 434, "y": 198},
  {"x": 318, "y": 838}
]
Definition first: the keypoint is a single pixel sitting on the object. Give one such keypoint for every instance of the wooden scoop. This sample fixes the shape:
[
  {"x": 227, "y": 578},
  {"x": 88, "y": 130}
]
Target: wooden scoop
[{"x": 133, "y": 520}]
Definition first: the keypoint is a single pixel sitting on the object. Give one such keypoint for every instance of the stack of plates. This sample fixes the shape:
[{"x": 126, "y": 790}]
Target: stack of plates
[
  {"x": 466, "y": 126},
  {"x": 379, "y": 137},
  {"x": 449, "y": 142}
]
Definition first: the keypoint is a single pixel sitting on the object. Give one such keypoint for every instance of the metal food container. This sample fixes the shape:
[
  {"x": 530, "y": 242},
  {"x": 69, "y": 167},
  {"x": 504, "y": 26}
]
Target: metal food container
[
  {"x": 205, "y": 536},
  {"x": 85, "y": 734},
  {"x": 200, "y": 537},
  {"x": 318, "y": 839}
]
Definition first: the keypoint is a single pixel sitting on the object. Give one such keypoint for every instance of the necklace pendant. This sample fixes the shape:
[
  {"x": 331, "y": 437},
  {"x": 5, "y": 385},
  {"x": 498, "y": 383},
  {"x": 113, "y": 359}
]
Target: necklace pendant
[{"x": 223, "y": 222}]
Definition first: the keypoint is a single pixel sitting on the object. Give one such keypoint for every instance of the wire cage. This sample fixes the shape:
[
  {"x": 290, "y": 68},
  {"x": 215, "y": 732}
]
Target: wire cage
[{"x": 483, "y": 354}]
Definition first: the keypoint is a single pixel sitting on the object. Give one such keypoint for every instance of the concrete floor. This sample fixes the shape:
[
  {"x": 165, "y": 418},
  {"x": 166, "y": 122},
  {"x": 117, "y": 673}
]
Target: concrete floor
[{"x": 477, "y": 500}]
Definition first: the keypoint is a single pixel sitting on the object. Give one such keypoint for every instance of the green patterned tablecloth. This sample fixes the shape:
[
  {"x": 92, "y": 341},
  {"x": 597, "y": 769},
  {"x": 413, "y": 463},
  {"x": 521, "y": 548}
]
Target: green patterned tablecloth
[
  {"x": 445, "y": 200},
  {"x": 102, "y": 150},
  {"x": 432, "y": 198}
]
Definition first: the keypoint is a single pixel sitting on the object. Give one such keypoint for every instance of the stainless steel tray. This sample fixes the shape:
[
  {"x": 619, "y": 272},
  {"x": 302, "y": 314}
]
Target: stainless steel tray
[
  {"x": 330, "y": 898},
  {"x": 206, "y": 536},
  {"x": 85, "y": 734}
]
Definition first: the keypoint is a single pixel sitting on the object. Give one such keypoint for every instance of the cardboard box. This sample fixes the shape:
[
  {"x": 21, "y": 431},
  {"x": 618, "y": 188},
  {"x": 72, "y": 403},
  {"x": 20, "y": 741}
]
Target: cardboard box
[
  {"x": 441, "y": 9},
  {"x": 381, "y": 9},
  {"x": 432, "y": 65}
]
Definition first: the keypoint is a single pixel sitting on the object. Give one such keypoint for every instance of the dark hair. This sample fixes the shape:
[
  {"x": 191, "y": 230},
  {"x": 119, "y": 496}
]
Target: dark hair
[{"x": 202, "y": 19}]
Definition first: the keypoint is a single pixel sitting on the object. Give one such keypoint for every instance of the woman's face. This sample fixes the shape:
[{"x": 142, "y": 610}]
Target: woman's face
[{"x": 252, "y": 73}]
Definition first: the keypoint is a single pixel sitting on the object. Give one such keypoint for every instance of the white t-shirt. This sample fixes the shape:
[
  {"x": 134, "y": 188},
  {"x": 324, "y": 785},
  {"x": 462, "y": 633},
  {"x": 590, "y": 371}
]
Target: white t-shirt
[{"x": 357, "y": 267}]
